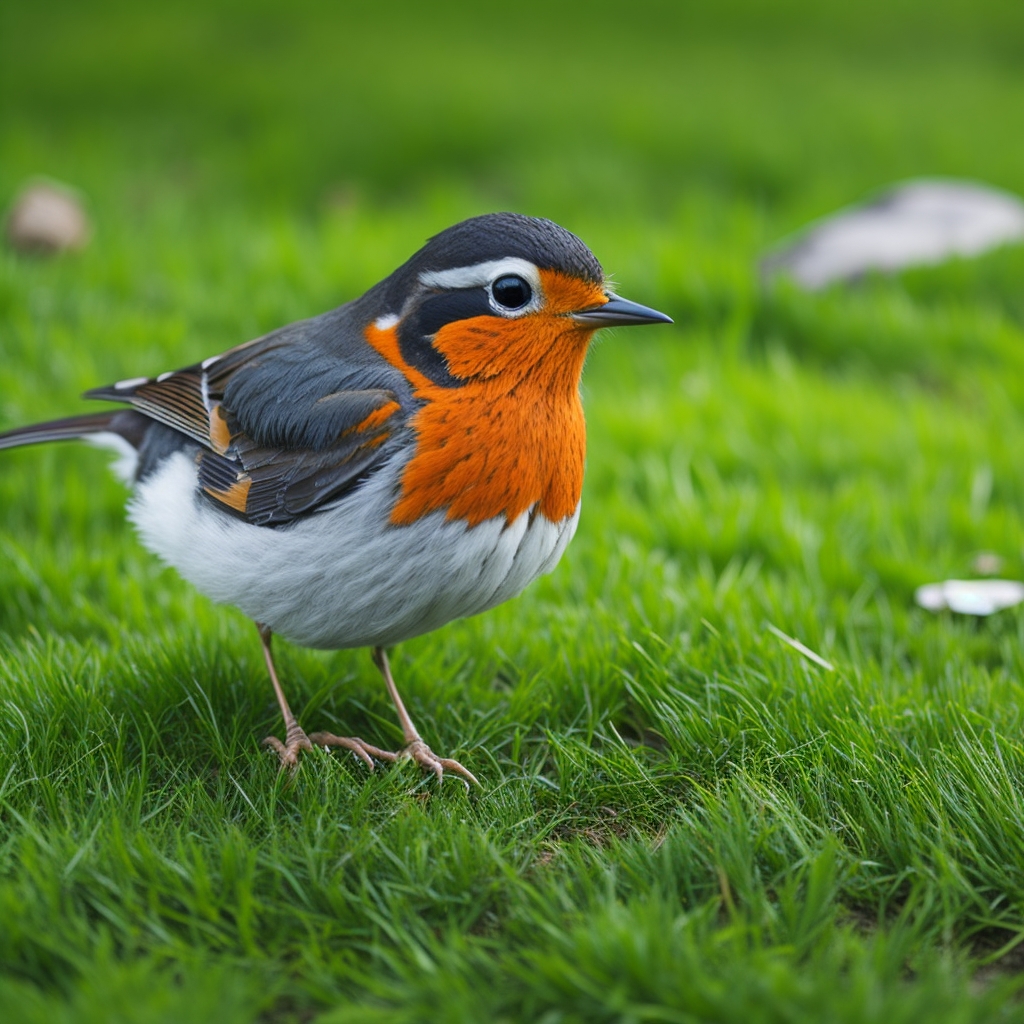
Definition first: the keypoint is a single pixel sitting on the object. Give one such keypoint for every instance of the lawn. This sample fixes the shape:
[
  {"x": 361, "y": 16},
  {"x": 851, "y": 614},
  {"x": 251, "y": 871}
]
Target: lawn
[{"x": 682, "y": 817}]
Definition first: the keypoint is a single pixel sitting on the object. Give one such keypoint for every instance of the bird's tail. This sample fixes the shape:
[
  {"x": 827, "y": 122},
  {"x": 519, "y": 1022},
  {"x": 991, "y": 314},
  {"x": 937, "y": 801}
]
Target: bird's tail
[
  {"x": 120, "y": 430},
  {"x": 70, "y": 429}
]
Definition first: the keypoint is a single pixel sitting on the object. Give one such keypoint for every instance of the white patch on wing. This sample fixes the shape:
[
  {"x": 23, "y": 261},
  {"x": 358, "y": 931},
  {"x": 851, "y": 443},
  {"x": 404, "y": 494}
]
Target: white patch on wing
[
  {"x": 127, "y": 461},
  {"x": 482, "y": 274},
  {"x": 385, "y": 323},
  {"x": 132, "y": 382},
  {"x": 204, "y": 390},
  {"x": 344, "y": 577},
  {"x": 165, "y": 376}
]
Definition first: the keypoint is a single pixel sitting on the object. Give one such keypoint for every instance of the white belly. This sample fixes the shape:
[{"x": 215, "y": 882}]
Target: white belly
[{"x": 344, "y": 577}]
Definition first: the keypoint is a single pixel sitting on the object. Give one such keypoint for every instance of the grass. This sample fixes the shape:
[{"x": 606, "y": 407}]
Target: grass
[{"x": 682, "y": 817}]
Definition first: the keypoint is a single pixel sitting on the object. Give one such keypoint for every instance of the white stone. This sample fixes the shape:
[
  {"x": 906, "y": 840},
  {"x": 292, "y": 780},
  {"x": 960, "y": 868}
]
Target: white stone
[
  {"x": 47, "y": 217},
  {"x": 970, "y": 597},
  {"x": 917, "y": 223}
]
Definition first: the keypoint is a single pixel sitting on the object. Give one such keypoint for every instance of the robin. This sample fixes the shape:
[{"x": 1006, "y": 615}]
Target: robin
[{"x": 362, "y": 477}]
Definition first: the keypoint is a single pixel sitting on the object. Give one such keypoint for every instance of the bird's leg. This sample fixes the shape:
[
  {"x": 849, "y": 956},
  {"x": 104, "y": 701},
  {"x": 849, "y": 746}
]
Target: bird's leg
[
  {"x": 414, "y": 747},
  {"x": 295, "y": 739}
]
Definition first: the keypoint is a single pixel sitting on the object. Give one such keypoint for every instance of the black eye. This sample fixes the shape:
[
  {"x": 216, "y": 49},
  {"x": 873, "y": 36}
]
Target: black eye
[{"x": 511, "y": 291}]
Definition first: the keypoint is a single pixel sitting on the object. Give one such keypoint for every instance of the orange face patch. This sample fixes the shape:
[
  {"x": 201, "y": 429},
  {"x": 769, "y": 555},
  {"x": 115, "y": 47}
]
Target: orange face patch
[
  {"x": 512, "y": 436},
  {"x": 564, "y": 294}
]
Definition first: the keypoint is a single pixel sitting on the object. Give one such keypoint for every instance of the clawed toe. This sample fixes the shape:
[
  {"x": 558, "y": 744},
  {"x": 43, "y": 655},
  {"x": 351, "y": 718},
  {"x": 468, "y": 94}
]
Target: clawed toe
[
  {"x": 288, "y": 752},
  {"x": 416, "y": 751},
  {"x": 366, "y": 752},
  {"x": 298, "y": 742},
  {"x": 419, "y": 752}
]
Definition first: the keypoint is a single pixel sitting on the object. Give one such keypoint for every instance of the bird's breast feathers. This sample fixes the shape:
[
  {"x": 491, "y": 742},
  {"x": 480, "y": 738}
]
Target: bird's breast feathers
[{"x": 510, "y": 438}]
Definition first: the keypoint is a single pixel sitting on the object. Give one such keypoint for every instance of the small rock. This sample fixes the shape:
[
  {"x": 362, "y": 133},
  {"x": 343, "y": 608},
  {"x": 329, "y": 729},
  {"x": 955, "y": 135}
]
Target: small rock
[
  {"x": 47, "y": 217},
  {"x": 917, "y": 223},
  {"x": 987, "y": 563},
  {"x": 970, "y": 597}
]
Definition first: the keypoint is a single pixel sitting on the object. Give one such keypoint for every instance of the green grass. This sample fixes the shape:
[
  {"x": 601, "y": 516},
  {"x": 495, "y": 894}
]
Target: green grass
[{"x": 682, "y": 818}]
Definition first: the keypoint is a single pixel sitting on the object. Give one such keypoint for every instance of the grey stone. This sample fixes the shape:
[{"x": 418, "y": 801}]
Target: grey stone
[
  {"x": 916, "y": 223},
  {"x": 47, "y": 217}
]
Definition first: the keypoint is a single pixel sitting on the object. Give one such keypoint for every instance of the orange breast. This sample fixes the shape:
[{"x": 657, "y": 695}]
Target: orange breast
[{"x": 513, "y": 435}]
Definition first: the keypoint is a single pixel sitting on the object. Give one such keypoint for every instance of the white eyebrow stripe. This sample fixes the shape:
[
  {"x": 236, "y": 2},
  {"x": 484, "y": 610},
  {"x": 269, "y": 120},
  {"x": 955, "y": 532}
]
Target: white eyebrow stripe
[{"x": 481, "y": 274}]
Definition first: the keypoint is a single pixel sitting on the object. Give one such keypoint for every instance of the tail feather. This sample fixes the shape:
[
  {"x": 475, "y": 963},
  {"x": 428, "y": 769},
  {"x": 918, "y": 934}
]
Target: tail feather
[{"x": 125, "y": 423}]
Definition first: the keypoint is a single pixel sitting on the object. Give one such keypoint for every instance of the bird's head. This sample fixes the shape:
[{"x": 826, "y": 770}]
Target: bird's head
[{"x": 495, "y": 295}]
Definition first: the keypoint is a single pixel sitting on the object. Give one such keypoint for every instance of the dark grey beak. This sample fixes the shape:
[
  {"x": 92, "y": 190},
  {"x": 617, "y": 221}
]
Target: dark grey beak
[{"x": 618, "y": 312}]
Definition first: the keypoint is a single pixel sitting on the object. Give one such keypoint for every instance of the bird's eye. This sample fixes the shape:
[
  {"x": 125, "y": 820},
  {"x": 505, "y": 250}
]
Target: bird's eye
[{"x": 511, "y": 292}]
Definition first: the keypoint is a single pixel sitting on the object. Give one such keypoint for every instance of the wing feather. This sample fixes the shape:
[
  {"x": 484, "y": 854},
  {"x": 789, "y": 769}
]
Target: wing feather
[{"x": 281, "y": 427}]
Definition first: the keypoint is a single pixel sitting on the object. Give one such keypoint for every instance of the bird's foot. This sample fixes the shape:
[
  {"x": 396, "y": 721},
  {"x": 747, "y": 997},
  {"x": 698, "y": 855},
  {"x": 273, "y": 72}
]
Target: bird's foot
[
  {"x": 419, "y": 752},
  {"x": 295, "y": 742},
  {"x": 298, "y": 741},
  {"x": 366, "y": 752}
]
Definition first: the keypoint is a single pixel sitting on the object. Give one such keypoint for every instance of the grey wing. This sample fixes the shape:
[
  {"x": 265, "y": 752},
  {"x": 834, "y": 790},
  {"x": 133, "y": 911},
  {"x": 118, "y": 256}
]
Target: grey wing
[{"x": 285, "y": 423}]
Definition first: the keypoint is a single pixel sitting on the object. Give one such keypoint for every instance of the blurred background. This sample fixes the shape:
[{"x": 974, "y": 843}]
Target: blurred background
[
  {"x": 742, "y": 118},
  {"x": 792, "y": 105},
  {"x": 781, "y": 464}
]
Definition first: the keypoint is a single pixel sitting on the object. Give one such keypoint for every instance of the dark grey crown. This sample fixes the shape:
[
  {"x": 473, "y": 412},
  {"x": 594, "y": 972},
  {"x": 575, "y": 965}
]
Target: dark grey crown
[{"x": 494, "y": 236}]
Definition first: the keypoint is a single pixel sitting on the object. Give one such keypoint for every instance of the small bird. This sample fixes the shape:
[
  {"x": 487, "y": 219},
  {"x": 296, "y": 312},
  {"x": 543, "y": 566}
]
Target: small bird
[{"x": 365, "y": 476}]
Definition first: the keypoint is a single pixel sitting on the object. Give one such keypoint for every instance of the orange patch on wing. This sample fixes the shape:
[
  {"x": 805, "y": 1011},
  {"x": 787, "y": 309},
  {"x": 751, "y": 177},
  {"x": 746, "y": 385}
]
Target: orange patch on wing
[
  {"x": 376, "y": 418},
  {"x": 235, "y": 496},
  {"x": 512, "y": 436},
  {"x": 220, "y": 435}
]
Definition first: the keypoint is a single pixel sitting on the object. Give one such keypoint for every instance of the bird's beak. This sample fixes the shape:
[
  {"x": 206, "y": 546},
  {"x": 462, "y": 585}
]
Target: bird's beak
[{"x": 619, "y": 312}]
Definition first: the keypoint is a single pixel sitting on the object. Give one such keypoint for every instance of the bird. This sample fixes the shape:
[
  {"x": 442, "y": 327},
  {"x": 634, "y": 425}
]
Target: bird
[{"x": 372, "y": 473}]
